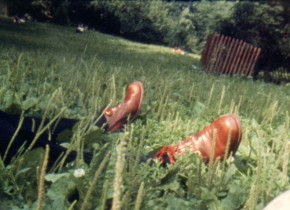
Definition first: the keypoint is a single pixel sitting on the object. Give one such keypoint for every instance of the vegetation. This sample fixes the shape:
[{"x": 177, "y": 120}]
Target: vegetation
[
  {"x": 266, "y": 26},
  {"x": 176, "y": 24},
  {"x": 51, "y": 71}
]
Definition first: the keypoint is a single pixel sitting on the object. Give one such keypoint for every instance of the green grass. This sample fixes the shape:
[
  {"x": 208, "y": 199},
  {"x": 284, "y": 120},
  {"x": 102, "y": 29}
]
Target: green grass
[{"x": 48, "y": 70}]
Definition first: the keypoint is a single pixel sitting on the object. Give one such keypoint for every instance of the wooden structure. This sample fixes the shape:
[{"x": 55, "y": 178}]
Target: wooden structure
[{"x": 227, "y": 55}]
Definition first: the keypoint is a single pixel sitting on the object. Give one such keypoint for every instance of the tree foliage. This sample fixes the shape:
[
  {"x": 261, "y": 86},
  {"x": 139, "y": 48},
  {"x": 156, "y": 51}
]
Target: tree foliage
[{"x": 263, "y": 25}]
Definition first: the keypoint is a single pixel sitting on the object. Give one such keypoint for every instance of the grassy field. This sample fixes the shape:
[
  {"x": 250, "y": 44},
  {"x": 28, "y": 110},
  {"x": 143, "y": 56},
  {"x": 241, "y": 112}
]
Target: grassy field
[{"x": 51, "y": 71}]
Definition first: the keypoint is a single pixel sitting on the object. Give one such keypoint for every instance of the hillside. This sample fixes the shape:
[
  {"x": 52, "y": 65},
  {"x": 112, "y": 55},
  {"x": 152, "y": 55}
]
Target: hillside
[{"x": 50, "y": 70}]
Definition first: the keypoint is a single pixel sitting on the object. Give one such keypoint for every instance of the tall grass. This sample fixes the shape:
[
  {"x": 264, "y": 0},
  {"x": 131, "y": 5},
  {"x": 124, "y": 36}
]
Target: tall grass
[{"x": 50, "y": 71}]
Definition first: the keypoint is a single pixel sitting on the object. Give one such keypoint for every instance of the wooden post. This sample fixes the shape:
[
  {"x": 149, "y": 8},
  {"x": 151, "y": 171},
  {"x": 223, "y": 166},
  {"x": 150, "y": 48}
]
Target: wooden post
[
  {"x": 214, "y": 55},
  {"x": 206, "y": 49},
  {"x": 218, "y": 52},
  {"x": 250, "y": 59},
  {"x": 232, "y": 54},
  {"x": 255, "y": 56},
  {"x": 241, "y": 59},
  {"x": 244, "y": 58},
  {"x": 237, "y": 57},
  {"x": 223, "y": 53},
  {"x": 211, "y": 56}
]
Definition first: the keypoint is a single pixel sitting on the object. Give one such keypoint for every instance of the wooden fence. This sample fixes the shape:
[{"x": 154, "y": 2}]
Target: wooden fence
[{"x": 226, "y": 55}]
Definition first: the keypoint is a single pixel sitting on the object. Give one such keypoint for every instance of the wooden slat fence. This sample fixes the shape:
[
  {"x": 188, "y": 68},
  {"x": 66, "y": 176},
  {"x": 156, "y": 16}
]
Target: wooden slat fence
[{"x": 226, "y": 55}]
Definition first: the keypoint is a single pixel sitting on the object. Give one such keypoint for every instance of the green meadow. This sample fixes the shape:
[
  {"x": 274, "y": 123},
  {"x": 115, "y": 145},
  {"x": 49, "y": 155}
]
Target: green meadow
[{"x": 52, "y": 72}]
